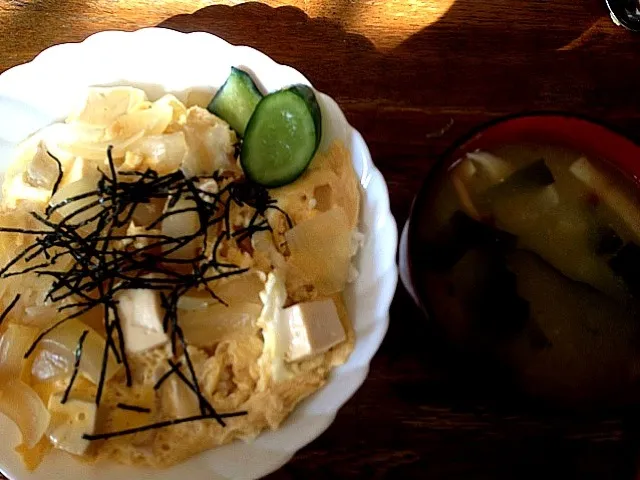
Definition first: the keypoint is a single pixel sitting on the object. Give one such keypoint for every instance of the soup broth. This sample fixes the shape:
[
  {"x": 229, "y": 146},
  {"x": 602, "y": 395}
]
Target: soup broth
[{"x": 530, "y": 253}]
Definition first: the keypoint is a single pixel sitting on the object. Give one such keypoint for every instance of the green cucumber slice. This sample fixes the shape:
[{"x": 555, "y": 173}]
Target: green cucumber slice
[
  {"x": 282, "y": 136},
  {"x": 236, "y": 100}
]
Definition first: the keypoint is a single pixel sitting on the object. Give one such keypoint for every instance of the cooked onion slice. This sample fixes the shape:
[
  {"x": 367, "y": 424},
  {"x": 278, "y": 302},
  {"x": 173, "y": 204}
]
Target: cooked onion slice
[
  {"x": 211, "y": 325},
  {"x": 461, "y": 175},
  {"x": 240, "y": 289},
  {"x": 162, "y": 153},
  {"x": 50, "y": 364},
  {"x": 63, "y": 341},
  {"x": 103, "y": 105},
  {"x": 151, "y": 120},
  {"x": 39, "y": 315},
  {"x": 80, "y": 209},
  {"x": 97, "y": 150},
  {"x": 24, "y": 407},
  {"x": 321, "y": 249},
  {"x": 181, "y": 224},
  {"x": 15, "y": 341},
  {"x": 495, "y": 169}
]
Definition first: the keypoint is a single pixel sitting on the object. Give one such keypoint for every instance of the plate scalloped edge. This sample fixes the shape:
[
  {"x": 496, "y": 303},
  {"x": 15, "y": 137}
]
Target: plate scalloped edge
[{"x": 110, "y": 58}]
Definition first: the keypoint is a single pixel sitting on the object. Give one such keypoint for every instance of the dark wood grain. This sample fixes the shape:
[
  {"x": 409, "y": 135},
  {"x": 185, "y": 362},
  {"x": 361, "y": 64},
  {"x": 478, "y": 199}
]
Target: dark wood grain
[{"x": 402, "y": 70}]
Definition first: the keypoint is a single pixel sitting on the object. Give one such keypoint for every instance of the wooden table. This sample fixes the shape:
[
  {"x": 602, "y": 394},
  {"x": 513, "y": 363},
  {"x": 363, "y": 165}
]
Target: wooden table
[{"x": 412, "y": 76}]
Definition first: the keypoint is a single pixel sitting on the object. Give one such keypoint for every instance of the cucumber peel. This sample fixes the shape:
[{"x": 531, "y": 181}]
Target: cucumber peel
[
  {"x": 236, "y": 100},
  {"x": 282, "y": 136}
]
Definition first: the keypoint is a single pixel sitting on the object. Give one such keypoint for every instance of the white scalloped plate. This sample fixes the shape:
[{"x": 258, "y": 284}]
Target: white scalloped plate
[{"x": 159, "y": 60}]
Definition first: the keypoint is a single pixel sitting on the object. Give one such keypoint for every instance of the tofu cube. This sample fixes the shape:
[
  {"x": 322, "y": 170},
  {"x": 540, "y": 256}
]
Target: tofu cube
[
  {"x": 314, "y": 327},
  {"x": 141, "y": 317},
  {"x": 69, "y": 421}
]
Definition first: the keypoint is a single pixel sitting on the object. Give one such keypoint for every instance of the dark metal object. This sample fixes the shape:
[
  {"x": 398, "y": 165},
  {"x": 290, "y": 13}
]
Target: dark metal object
[{"x": 625, "y": 13}]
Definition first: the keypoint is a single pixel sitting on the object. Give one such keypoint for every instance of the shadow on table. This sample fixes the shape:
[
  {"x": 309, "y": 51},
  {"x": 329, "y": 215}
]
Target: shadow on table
[{"x": 467, "y": 67}]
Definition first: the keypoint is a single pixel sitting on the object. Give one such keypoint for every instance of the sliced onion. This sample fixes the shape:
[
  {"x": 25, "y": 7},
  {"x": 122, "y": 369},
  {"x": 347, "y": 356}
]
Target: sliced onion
[
  {"x": 38, "y": 144},
  {"x": 14, "y": 343},
  {"x": 461, "y": 177},
  {"x": 162, "y": 153},
  {"x": 62, "y": 342},
  {"x": 180, "y": 225},
  {"x": 239, "y": 289},
  {"x": 177, "y": 400},
  {"x": 39, "y": 315},
  {"x": 151, "y": 121},
  {"x": 321, "y": 249},
  {"x": 105, "y": 104},
  {"x": 495, "y": 168},
  {"x": 51, "y": 364},
  {"x": 211, "y": 325},
  {"x": 24, "y": 407},
  {"x": 97, "y": 151},
  {"x": 195, "y": 302},
  {"x": 83, "y": 205},
  {"x": 146, "y": 213}
]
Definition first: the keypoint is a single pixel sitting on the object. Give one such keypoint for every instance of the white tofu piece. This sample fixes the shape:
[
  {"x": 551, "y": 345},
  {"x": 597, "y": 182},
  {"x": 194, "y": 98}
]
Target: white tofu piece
[
  {"x": 141, "y": 316},
  {"x": 69, "y": 421},
  {"x": 314, "y": 327}
]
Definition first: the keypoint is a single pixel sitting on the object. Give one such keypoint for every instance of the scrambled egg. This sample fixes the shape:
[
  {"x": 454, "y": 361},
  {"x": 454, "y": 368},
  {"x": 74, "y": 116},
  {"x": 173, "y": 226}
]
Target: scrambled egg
[{"x": 241, "y": 359}]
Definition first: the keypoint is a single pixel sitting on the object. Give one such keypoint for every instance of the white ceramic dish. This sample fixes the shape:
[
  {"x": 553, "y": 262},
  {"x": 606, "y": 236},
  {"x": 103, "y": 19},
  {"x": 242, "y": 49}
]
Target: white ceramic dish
[{"x": 159, "y": 60}]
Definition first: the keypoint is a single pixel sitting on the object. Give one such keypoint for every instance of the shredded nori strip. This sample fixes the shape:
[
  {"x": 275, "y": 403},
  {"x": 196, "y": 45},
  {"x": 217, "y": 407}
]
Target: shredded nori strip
[
  {"x": 205, "y": 405},
  {"x": 167, "y": 374},
  {"x": 534, "y": 175},
  {"x": 60, "y": 173},
  {"x": 118, "y": 328},
  {"x": 155, "y": 426},
  {"x": 105, "y": 355},
  {"x": 76, "y": 366},
  {"x": 100, "y": 270},
  {"x": 133, "y": 408},
  {"x": 7, "y": 310}
]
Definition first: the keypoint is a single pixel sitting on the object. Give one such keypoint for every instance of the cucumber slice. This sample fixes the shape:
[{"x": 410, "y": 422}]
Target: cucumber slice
[
  {"x": 282, "y": 136},
  {"x": 236, "y": 100}
]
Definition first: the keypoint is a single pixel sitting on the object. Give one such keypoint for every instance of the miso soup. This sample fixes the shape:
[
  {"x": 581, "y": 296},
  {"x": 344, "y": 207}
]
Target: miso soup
[{"x": 531, "y": 254}]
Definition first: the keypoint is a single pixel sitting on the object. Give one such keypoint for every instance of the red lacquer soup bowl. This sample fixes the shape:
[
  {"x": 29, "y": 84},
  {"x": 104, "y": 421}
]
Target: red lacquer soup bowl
[{"x": 598, "y": 142}]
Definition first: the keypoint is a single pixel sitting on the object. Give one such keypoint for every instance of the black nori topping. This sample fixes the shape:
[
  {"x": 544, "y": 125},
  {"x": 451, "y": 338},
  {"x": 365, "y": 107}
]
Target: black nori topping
[{"x": 626, "y": 264}]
